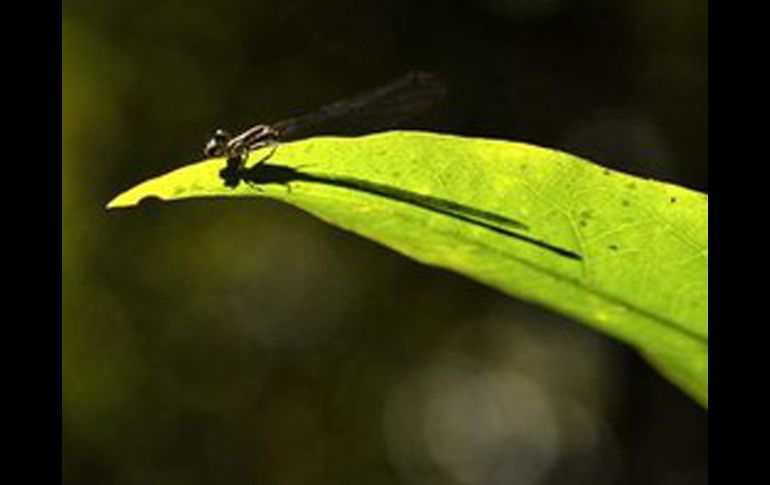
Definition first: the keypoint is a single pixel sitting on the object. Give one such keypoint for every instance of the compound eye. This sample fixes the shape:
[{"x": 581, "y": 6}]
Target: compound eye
[
  {"x": 214, "y": 148},
  {"x": 217, "y": 146},
  {"x": 221, "y": 136}
]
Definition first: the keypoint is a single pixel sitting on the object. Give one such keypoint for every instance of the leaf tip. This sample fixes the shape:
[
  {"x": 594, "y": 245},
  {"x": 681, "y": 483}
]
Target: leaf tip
[{"x": 129, "y": 198}]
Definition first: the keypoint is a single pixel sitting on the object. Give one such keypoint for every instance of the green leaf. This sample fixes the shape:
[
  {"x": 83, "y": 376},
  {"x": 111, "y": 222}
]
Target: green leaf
[{"x": 625, "y": 255}]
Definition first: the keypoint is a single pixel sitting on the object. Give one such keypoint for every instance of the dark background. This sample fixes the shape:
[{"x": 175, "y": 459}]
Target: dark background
[{"x": 246, "y": 342}]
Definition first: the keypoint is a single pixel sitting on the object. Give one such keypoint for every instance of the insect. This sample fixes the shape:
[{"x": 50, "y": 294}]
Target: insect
[
  {"x": 380, "y": 109},
  {"x": 236, "y": 149}
]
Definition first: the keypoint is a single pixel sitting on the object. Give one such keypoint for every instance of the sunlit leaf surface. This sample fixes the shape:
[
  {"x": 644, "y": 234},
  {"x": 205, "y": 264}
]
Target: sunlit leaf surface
[{"x": 625, "y": 255}]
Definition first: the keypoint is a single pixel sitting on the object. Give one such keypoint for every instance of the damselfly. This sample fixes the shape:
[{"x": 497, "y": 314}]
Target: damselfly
[{"x": 381, "y": 109}]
